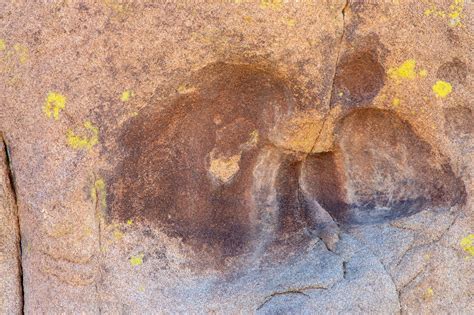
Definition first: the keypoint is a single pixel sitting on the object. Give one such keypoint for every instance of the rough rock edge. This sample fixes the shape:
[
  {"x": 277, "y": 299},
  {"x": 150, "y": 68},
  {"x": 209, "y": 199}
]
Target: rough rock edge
[{"x": 9, "y": 185}]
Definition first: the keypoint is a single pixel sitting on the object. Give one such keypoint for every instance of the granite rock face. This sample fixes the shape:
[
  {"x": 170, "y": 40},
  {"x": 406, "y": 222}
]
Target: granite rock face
[{"x": 237, "y": 157}]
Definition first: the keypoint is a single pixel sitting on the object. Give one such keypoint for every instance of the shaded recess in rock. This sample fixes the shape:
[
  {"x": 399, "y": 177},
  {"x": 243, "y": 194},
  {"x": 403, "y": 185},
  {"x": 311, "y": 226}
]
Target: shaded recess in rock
[
  {"x": 380, "y": 170},
  {"x": 359, "y": 78},
  {"x": 189, "y": 168},
  {"x": 293, "y": 212},
  {"x": 287, "y": 196},
  {"x": 203, "y": 170},
  {"x": 391, "y": 172},
  {"x": 324, "y": 179}
]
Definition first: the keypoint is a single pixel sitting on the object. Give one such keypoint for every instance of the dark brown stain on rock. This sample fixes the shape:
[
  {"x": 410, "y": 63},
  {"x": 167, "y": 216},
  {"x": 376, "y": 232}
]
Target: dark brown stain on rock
[
  {"x": 454, "y": 71},
  {"x": 203, "y": 170},
  {"x": 325, "y": 174},
  {"x": 390, "y": 171},
  {"x": 452, "y": 36},
  {"x": 188, "y": 169},
  {"x": 359, "y": 78},
  {"x": 459, "y": 125},
  {"x": 293, "y": 213}
]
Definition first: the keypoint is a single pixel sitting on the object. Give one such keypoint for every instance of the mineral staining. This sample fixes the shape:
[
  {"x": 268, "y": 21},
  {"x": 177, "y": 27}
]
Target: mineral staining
[
  {"x": 359, "y": 77},
  {"x": 228, "y": 167},
  {"x": 454, "y": 71},
  {"x": 54, "y": 103},
  {"x": 188, "y": 170},
  {"x": 442, "y": 89}
]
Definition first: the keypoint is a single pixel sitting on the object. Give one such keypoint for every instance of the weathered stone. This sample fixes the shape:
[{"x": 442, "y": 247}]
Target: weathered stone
[
  {"x": 238, "y": 157},
  {"x": 11, "y": 295}
]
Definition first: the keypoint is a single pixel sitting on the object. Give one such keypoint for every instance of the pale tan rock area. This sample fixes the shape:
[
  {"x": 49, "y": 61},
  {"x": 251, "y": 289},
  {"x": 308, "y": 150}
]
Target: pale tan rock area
[{"x": 269, "y": 157}]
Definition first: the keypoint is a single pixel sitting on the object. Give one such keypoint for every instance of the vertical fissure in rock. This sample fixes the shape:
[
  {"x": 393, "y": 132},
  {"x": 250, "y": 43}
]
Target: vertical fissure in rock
[
  {"x": 13, "y": 190},
  {"x": 343, "y": 13},
  {"x": 339, "y": 49},
  {"x": 98, "y": 216}
]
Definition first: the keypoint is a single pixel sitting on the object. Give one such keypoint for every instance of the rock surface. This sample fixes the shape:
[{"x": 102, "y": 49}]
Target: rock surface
[{"x": 237, "y": 157}]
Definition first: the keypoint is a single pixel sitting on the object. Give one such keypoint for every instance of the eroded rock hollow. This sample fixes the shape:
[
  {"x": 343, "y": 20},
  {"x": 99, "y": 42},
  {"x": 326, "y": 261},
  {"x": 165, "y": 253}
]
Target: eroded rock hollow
[{"x": 205, "y": 169}]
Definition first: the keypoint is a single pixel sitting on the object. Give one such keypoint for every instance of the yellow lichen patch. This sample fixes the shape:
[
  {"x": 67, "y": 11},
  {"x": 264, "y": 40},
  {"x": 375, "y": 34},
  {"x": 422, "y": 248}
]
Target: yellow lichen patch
[
  {"x": 137, "y": 260},
  {"x": 186, "y": 89},
  {"x": 83, "y": 142},
  {"x": 99, "y": 193},
  {"x": 126, "y": 95},
  {"x": 22, "y": 53},
  {"x": 224, "y": 168},
  {"x": 467, "y": 244},
  {"x": 3, "y": 46},
  {"x": 396, "y": 101},
  {"x": 61, "y": 230},
  {"x": 429, "y": 293},
  {"x": 290, "y": 22},
  {"x": 253, "y": 140},
  {"x": 405, "y": 71},
  {"x": 115, "y": 5},
  {"x": 442, "y": 88},
  {"x": 118, "y": 235},
  {"x": 453, "y": 13},
  {"x": 53, "y": 104},
  {"x": 298, "y": 133},
  {"x": 88, "y": 231},
  {"x": 129, "y": 222},
  {"x": 271, "y": 4}
]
